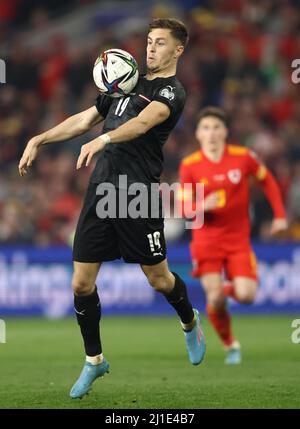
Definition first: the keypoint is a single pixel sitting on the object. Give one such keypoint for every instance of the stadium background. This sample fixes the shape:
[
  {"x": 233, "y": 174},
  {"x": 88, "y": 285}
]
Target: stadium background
[{"x": 239, "y": 57}]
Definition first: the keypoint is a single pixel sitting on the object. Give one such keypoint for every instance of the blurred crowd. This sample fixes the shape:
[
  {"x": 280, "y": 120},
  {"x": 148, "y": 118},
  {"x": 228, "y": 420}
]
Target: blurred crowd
[{"x": 239, "y": 57}]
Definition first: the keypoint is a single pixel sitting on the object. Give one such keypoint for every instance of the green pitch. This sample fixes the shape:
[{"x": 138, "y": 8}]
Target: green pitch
[{"x": 149, "y": 366}]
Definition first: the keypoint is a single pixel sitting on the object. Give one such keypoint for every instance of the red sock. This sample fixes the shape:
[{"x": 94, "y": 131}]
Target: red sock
[
  {"x": 221, "y": 321},
  {"x": 228, "y": 290}
]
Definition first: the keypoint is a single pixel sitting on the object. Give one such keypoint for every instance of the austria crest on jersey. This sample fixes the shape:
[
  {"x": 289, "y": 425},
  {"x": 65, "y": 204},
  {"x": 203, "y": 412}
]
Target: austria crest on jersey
[{"x": 115, "y": 72}]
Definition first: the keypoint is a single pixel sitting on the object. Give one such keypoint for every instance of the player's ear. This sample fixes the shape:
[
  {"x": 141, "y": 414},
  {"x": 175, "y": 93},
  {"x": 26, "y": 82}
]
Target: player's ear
[{"x": 178, "y": 51}]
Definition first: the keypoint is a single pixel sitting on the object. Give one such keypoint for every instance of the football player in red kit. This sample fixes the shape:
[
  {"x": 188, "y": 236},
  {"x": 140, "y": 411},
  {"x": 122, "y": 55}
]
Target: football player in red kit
[{"x": 222, "y": 245}]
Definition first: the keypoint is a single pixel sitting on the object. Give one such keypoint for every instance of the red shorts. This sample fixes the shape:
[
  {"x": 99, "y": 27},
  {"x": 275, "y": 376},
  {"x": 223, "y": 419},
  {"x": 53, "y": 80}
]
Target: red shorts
[{"x": 240, "y": 262}]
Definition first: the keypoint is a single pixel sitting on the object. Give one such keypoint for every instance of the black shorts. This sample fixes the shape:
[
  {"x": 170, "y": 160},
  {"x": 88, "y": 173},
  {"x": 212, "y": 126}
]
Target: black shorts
[{"x": 139, "y": 240}]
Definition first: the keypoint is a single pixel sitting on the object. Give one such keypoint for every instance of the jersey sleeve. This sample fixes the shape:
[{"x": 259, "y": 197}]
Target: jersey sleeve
[
  {"x": 172, "y": 96},
  {"x": 185, "y": 197},
  {"x": 255, "y": 167},
  {"x": 268, "y": 185},
  {"x": 103, "y": 103},
  {"x": 185, "y": 174}
]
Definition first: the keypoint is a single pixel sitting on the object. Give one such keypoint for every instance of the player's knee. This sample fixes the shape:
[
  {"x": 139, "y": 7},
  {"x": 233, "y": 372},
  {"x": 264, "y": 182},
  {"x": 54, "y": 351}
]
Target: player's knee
[
  {"x": 245, "y": 296},
  {"x": 82, "y": 286},
  {"x": 160, "y": 283},
  {"x": 216, "y": 299}
]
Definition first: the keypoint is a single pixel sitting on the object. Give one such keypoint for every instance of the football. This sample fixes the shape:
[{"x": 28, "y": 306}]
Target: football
[{"x": 115, "y": 72}]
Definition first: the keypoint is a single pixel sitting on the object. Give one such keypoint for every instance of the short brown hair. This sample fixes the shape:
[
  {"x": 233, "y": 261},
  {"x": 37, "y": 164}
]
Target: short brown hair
[
  {"x": 178, "y": 29},
  {"x": 216, "y": 112}
]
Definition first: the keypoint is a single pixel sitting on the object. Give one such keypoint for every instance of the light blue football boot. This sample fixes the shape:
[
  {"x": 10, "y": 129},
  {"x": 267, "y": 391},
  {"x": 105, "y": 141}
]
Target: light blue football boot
[
  {"x": 88, "y": 375},
  {"x": 234, "y": 355},
  {"x": 195, "y": 341}
]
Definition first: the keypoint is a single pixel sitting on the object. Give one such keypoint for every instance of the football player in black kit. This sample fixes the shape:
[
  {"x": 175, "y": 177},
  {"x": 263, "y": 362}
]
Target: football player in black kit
[{"x": 135, "y": 129}]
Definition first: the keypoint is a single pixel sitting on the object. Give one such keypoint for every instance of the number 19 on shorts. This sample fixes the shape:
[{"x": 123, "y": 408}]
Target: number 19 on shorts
[{"x": 154, "y": 242}]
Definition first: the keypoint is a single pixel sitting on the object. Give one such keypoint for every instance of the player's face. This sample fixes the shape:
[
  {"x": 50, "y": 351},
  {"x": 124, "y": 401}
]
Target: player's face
[
  {"x": 162, "y": 50},
  {"x": 211, "y": 133}
]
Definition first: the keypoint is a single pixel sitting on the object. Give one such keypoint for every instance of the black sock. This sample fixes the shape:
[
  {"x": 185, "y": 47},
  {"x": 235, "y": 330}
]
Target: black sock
[
  {"x": 88, "y": 313},
  {"x": 178, "y": 298}
]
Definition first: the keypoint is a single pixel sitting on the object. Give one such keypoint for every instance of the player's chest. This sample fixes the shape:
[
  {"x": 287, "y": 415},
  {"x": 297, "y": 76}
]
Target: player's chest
[
  {"x": 125, "y": 108},
  {"x": 230, "y": 177}
]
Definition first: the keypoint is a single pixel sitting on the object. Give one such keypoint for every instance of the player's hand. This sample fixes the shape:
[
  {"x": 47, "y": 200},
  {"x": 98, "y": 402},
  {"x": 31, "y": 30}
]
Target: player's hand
[
  {"x": 278, "y": 225},
  {"x": 29, "y": 155},
  {"x": 88, "y": 151},
  {"x": 212, "y": 201}
]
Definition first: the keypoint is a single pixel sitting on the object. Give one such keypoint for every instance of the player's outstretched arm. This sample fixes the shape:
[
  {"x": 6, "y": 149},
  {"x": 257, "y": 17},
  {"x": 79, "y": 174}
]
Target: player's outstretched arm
[
  {"x": 72, "y": 127},
  {"x": 269, "y": 186},
  {"x": 271, "y": 190},
  {"x": 154, "y": 114}
]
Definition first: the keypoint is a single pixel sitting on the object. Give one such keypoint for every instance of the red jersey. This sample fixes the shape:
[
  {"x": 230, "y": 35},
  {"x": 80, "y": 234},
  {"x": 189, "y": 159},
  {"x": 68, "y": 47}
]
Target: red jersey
[{"x": 229, "y": 222}]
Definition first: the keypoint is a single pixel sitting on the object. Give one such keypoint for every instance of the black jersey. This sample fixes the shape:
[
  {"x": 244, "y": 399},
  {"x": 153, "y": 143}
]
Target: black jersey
[{"x": 140, "y": 159}]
